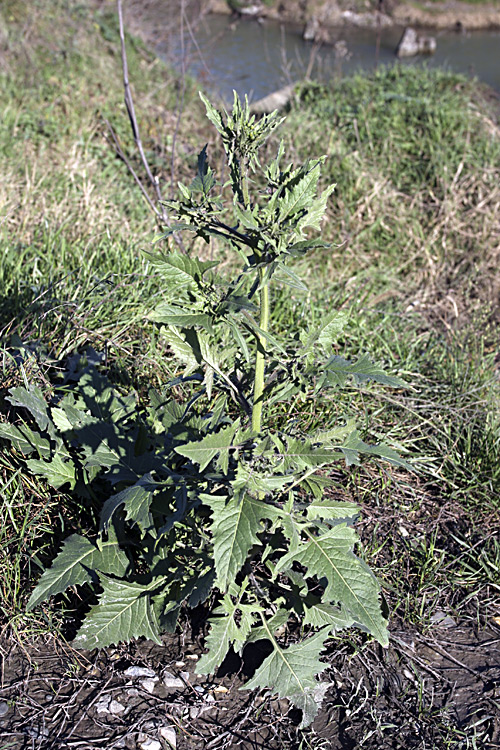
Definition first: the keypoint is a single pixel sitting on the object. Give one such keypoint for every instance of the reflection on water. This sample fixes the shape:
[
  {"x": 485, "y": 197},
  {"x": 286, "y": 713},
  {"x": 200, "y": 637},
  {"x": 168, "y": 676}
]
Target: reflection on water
[{"x": 257, "y": 58}]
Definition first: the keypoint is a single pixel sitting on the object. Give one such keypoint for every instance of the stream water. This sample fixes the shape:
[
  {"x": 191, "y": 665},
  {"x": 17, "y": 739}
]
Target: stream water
[{"x": 258, "y": 58}]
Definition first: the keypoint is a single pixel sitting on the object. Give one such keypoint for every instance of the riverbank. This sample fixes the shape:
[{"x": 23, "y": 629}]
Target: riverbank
[{"x": 451, "y": 14}]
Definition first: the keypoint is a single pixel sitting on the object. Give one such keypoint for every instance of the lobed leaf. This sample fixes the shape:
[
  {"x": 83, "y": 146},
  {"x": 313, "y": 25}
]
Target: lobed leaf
[
  {"x": 76, "y": 564},
  {"x": 124, "y": 612},
  {"x": 350, "y": 581}
]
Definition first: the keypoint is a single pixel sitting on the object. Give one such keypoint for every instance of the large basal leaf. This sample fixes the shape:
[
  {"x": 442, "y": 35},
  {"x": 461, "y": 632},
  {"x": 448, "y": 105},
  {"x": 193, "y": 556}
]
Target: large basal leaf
[
  {"x": 124, "y": 612},
  {"x": 350, "y": 581},
  {"x": 25, "y": 439},
  {"x": 57, "y": 472},
  {"x": 32, "y": 399},
  {"x": 203, "y": 451},
  {"x": 234, "y": 530},
  {"x": 230, "y": 626},
  {"x": 291, "y": 672},
  {"x": 136, "y": 501},
  {"x": 75, "y": 564},
  {"x": 321, "y": 615}
]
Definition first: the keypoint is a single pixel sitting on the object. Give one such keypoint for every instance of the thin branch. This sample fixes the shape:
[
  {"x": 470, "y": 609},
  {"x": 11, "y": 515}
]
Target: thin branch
[
  {"x": 129, "y": 103},
  {"x": 159, "y": 209}
]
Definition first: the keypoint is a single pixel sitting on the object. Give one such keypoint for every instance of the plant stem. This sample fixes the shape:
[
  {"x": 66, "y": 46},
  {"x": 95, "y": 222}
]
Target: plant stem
[
  {"x": 244, "y": 188},
  {"x": 258, "y": 388}
]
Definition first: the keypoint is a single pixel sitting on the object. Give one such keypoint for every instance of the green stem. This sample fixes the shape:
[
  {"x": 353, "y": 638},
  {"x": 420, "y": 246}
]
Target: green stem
[
  {"x": 244, "y": 188},
  {"x": 258, "y": 388}
]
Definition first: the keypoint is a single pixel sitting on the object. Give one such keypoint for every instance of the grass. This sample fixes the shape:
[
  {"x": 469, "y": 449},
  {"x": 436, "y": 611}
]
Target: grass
[{"x": 414, "y": 222}]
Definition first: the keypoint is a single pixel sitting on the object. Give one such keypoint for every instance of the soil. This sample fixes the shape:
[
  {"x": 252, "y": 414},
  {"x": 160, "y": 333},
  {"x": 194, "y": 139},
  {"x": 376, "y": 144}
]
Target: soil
[{"x": 53, "y": 698}]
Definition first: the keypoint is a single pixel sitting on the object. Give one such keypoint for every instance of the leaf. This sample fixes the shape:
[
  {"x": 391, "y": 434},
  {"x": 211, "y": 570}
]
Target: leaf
[
  {"x": 124, "y": 612},
  {"x": 25, "y": 439},
  {"x": 181, "y": 348},
  {"x": 203, "y": 451},
  {"x": 75, "y": 564},
  {"x": 354, "y": 445},
  {"x": 234, "y": 530},
  {"x": 226, "y": 631},
  {"x": 291, "y": 672},
  {"x": 327, "y": 332},
  {"x": 350, "y": 581},
  {"x": 136, "y": 501},
  {"x": 174, "y": 316},
  {"x": 57, "y": 472},
  {"x": 32, "y": 399},
  {"x": 319, "y": 615},
  {"x": 204, "y": 180},
  {"x": 362, "y": 370},
  {"x": 179, "y": 269},
  {"x": 328, "y": 508}
]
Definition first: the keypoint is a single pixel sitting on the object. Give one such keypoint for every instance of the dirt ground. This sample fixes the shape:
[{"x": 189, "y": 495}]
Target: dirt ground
[{"x": 53, "y": 697}]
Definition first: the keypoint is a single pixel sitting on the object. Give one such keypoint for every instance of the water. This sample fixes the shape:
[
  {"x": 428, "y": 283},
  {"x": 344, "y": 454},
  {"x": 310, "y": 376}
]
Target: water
[{"x": 258, "y": 58}]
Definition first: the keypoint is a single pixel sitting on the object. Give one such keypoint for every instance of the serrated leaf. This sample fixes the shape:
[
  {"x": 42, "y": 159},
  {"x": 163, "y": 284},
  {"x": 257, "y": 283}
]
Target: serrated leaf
[
  {"x": 350, "y": 581},
  {"x": 124, "y": 612},
  {"x": 230, "y": 626},
  {"x": 74, "y": 564},
  {"x": 361, "y": 370},
  {"x": 179, "y": 269},
  {"x": 57, "y": 472},
  {"x": 204, "y": 180},
  {"x": 291, "y": 672},
  {"x": 173, "y": 316},
  {"x": 354, "y": 445},
  {"x": 321, "y": 615},
  {"x": 328, "y": 330},
  {"x": 31, "y": 399},
  {"x": 181, "y": 348},
  {"x": 234, "y": 530},
  {"x": 26, "y": 440},
  {"x": 203, "y": 451},
  {"x": 328, "y": 508},
  {"x": 136, "y": 501}
]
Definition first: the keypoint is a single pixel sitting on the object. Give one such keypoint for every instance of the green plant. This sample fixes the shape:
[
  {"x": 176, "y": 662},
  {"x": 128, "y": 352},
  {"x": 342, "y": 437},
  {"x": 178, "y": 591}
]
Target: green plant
[{"x": 198, "y": 495}]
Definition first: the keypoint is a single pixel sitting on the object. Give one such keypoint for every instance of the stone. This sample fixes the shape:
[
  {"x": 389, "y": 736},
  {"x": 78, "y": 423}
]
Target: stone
[
  {"x": 135, "y": 672},
  {"x": 442, "y": 620},
  {"x": 169, "y": 735},
  {"x": 115, "y": 707},
  {"x": 107, "y": 705},
  {"x": 170, "y": 681},
  {"x": 150, "y": 744},
  {"x": 149, "y": 684},
  {"x": 412, "y": 44},
  {"x": 276, "y": 100},
  {"x": 4, "y": 708}
]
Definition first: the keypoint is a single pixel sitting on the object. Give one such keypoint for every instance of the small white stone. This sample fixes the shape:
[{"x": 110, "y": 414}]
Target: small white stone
[
  {"x": 193, "y": 657},
  {"x": 180, "y": 664},
  {"x": 115, "y": 707},
  {"x": 169, "y": 735},
  {"x": 210, "y": 699},
  {"x": 150, "y": 745},
  {"x": 149, "y": 685},
  {"x": 133, "y": 692},
  {"x": 134, "y": 672},
  {"x": 170, "y": 681},
  {"x": 186, "y": 676}
]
